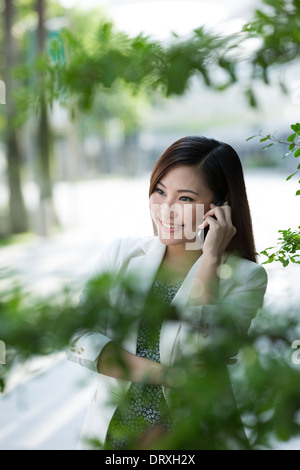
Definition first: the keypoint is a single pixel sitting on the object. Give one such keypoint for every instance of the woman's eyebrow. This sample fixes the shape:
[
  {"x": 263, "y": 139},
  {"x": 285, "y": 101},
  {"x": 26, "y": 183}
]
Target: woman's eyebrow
[{"x": 180, "y": 190}]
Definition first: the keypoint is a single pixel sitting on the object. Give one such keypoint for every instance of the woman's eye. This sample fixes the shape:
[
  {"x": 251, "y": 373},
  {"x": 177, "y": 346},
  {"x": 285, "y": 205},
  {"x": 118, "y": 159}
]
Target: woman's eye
[
  {"x": 158, "y": 189},
  {"x": 187, "y": 199}
]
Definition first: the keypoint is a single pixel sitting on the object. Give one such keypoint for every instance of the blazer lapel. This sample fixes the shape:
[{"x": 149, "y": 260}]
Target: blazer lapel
[
  {"x": 145, "y": 263},
  {"x": 183, "y": 292},
  {"x": 142, "y": 266}
]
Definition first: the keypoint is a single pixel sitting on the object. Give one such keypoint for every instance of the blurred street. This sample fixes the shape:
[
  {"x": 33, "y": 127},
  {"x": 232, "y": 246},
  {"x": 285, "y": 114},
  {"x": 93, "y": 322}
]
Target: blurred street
[{"x": 46, "y": 410}]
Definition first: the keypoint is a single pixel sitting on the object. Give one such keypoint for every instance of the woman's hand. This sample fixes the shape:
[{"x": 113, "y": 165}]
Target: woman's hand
[
  {"x": 221, "y": 230},
  {"x": 205, "y": 288}
]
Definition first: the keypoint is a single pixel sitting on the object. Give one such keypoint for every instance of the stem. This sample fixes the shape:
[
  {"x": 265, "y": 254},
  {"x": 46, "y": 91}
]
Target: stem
[{"x": 278, "y": 141}]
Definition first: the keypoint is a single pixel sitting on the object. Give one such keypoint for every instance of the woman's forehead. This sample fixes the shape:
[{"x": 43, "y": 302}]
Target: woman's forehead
[{"x": 183, "y": 174}]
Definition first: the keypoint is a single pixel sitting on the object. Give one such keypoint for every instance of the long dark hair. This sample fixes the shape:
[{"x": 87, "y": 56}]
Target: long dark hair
[{"x": 221, "y": 167}]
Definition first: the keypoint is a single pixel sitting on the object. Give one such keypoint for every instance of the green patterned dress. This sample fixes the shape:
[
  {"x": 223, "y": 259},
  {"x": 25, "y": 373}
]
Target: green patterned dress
[{"x": 144, "y": 405}]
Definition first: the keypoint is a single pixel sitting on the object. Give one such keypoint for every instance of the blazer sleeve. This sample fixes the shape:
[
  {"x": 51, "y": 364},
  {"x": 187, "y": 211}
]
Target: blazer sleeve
[
  {"x": 242, "y": 302},
  {"x": 86, "y": 345}
]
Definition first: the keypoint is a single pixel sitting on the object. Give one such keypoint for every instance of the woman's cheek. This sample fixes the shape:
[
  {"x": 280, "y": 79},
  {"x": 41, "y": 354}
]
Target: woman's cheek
[
  {"x": 191, "y": 221},
  {"x": 154, "y": 208},
  {"x": 189, "y": 217}
]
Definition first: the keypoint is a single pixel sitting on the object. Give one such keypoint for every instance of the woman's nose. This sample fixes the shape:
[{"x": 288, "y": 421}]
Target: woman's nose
[{"x": 168, "y": 211}]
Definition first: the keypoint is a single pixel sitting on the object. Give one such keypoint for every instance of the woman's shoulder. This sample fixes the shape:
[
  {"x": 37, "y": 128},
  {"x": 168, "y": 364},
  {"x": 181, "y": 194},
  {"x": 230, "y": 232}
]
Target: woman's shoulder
[
  {"x": 130, "y": 243},
  {"x": 121, "y": 248},
  {"x": 246, "y": 270}
]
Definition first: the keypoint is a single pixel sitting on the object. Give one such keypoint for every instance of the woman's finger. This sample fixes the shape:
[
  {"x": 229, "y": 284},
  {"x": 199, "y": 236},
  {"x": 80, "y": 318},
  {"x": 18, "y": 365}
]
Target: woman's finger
[
  {"x": 216, "y": 212},
  {"x": 210, "y": 220}
]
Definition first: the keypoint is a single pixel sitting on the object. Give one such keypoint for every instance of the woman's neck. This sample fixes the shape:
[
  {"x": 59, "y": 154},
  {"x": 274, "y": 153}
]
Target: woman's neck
[
  {"x": 179, "y": 255},
  {"x": 178, "y": 261}
]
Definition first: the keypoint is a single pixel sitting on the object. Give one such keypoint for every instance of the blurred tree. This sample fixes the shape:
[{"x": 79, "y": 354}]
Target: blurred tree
[
  {"x": 128, "y": 112},
  {"x": 277, "y": 24},
  {"x": 43, "y": 132},
  {"x": 215, "y": 58},
  {"x": 116, "y": 113},
  {"x": 17, "y": 15},
  {"x": 18, "y": 214},
  {"x": 143, "y": 63}
]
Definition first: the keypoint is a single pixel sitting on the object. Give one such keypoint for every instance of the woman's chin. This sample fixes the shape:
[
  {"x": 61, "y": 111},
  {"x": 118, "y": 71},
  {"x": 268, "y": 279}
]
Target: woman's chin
[{"x": 169, "y": 239}]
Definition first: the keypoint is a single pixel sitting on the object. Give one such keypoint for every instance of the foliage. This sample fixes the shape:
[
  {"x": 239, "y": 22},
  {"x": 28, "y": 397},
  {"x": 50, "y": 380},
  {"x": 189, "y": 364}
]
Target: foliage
[
  {"x": 276, "y": 24},
  {"x": 289, "y": 248},
  {"x": 141, "y": 62},
  {"x": 265, "y": 377},
  {"x": 76, "y": 69},
  {"x": 138, "y": 62},
  {"x": 289, "y": 243},
  {"x": 168, "y": 67}
]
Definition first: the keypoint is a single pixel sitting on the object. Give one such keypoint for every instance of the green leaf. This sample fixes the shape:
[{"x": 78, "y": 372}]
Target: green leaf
[
  {"x": 265, "y": 138},
  {"x": 249, "y": 138},
  {"x": 290, "y": 176},
  {"x": 267, "y": 146},
  {"x": 264, "y": 252},
  {"x": 296, "y": 127},
  {"x": 291, "y": 137},
  {"x": 251, "y": 98},
  {"x": 297, "y": 153},
  {"x": 298, "y": 192},
  {"x": 292, "y": 146}
]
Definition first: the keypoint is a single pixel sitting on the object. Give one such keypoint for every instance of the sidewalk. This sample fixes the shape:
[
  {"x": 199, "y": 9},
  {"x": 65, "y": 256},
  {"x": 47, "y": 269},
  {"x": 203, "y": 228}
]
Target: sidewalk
[{"x": 46, "y": 411}]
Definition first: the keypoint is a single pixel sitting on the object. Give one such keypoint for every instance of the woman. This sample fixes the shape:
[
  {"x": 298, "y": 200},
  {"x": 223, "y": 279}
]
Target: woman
[{"x": 197, "y": 183}]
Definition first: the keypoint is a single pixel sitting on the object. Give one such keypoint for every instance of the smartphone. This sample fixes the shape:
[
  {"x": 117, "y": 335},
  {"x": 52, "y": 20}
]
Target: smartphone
[{"x": 201, "y": 234}]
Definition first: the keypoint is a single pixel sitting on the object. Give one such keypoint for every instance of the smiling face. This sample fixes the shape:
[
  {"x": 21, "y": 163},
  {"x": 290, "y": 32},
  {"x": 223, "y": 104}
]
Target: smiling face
[{"x": 178, "y": 203}]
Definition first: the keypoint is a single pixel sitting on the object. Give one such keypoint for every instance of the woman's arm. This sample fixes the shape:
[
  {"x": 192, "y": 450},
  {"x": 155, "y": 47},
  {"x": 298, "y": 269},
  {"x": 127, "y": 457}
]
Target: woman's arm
[
  {"x": 221, "y": 231},
  {"x": 116, "y": 362},
  {"x": 206, "y": 281}
]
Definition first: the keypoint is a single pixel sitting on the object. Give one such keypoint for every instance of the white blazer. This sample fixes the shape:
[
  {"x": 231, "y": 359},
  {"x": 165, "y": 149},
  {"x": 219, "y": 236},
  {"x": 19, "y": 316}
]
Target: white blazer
[{"x": 242, "y": 287}]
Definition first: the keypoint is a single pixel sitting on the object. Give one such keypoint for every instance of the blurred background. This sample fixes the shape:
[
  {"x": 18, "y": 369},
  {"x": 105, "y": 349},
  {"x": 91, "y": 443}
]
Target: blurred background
[{"x": 75, "y": 160}]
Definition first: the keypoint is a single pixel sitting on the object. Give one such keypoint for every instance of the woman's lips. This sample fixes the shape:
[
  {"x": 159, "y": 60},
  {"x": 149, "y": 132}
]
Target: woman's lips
[{"x": 170, "y": 229}]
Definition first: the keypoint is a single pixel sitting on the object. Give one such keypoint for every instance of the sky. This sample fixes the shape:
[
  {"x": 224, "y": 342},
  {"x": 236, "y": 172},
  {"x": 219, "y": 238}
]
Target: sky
[{"x": 160, "y": 18}]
